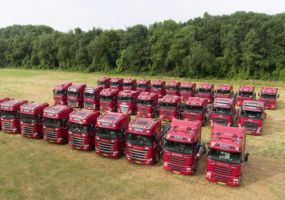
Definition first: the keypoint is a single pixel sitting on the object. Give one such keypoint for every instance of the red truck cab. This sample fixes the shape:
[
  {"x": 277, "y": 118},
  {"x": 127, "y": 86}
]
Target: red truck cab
[
  {"x": 2, "y": 99},
  {"x": 143, "y": 85},
  {"x": 182, "y": 147},
  {"x": 10, "y": 115},
  {"x": 147, "y": 105},
  {"x": 81, "y": 129},
  {"x": 195, "y": 109},
  {"x": 108, "y": 99},
  {"x": 143, "y": 140},
  {"x": 269, "y": 96},
  {"x": 169, "y": 107},
  {"x": 158, "y": 86},
  {"x": 116, "y": 83},
  {"x": 206, "y": 90},
  {"x": 31, "y": 119},
  {"x": 187, "y": 90},
  {"x": 91, "y": 97},
  {"x": 173, "y": 88},
  {"x": 129, "y": 84},
  {"x": 103, "y": 82},
  {"x": 55, "y": 127},
  {"x": 223, "y": 112},
  {"x": 127, "y": 101},
  {"x": 60, "y": 93},
  {"x": 246, "y": 92},
  {"x": 75, "y": 95},
  {"x": 225, "y": 91},
  {"x": 110, "y": 134},
  {"x": 251, "y": 116},
  {"x": 226, "y": 155}
]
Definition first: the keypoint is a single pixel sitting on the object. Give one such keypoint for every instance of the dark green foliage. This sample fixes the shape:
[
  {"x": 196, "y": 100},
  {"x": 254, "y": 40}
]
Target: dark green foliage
[{"x": 242, "y": 45}]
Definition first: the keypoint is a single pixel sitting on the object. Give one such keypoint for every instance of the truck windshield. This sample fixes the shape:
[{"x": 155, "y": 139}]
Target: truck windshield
[
  {"x": 204, "y": 90},
  {"x": 268, "y": 96},
  {"x": 28, "y": 118},
  {"x": 107, "y": 133},
  {"x": 219, "y": 110},
  {"x": 72, "y": 93},
  {"x": 223, "y": 91},
  {"x": 51, "y": 123},
  {"x": 251, "y": 114},
  {"x": 172, "y": 87},
  {"x": 186, "y": 89},
  {"x": 106, "y": 98},
  {"x": 145, "y": 102},
  {"x": 124, "y": 98},
  {"x": 59, "y": 92},
  {"x": 196, "y": 109},
  {"x": 178, "y": 147},
  {"x": 156, "y": 86},
  {"x": 140, "y": 140},
  {"x": 8, "y": 114},
  {"x": 245, "y": 94},
  {"x": 89, "y": 95},
  {"x": 115, "y": 83},
  {"x": 101, "y": 83},
  {"x": 128, "y": 84},
  {"x": 141, "y": 85},
  {"x": 78, "y": 128},
  {"x": 167, "y": 105},
  {"x": 224, "y": 156}
]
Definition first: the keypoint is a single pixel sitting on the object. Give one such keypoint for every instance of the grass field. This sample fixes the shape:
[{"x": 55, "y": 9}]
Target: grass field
[{"x": 34, "y": 169}]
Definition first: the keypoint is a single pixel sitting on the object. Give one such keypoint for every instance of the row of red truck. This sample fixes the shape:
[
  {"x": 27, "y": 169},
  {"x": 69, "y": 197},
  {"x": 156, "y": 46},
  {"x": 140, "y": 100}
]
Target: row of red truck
[{"x": 142, "y": 140}]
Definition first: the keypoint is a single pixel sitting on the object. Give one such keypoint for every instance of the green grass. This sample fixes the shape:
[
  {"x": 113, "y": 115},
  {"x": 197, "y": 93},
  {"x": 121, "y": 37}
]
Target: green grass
[{"x": 34, "y": 169}]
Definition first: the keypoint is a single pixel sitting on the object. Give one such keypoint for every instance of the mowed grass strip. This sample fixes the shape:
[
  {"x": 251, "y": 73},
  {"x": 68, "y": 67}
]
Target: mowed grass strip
[{"x": 34, "y": 169}]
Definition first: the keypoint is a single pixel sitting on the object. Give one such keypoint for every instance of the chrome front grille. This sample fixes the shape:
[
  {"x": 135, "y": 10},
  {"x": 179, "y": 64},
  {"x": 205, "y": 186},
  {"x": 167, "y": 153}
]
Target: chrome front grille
[
  {"x": 138, "y": 154},
  {"x": 105, "y": 147},
  {"x": 76, "y": 141},
  {"x": 220, "y": 121},
  {"x": 88, "y": 105},
  {"x": 27, "y": 130},
  {"x": 250, "y": 126},
  {"x": 176, "y": 163},
  {"x": 50, "y": 135},
  {"x": 7, "y": 126},
  {"x": 222, "y": 171}
]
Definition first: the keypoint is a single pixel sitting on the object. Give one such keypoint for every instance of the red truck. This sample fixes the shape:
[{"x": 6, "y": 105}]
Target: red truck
[
  {"x": 103, "y": 82},
  {"x": 246, "y": 92},
  {"x": 143, "y": 85},
  {"x": 110, "y": 134},
  {"x": 60, "y": 93},
  {"x": 225, "y": 91},
  {"x": 251, "y": 116},
  {"x": 109, "y": 99},
  {"x": 169, "y": 107},
  {"x": 269, "y": 96},
  {"x": 91, "y": 97},
  {"x": 31, "y": 119},
  {"x": 116, "y": 83},
  {"x": 2, "y": 99},
  {"x": 187, "y": 90},
  {"x": 10, "y": 115},
  {"x": 147, "y": 105},
  {"x": 223, "y": 112},
  {"x": 182, "y": 147},
  {"x": 129, "y": 84},
  {"x": 75, "y": 95},
  {"x": 206, "y": 90},
  {"x": 143, "y": 140},
  {"x": 55, "y": 127},
  {"x": 195, "y": 109},
  {"x": 226, "y": 155},
  {"x": 81, "y": 129},
  {"x": 158, "y": 86},
  {"x": 173, "y": 88},
  {"x": 127, "y": 101}
]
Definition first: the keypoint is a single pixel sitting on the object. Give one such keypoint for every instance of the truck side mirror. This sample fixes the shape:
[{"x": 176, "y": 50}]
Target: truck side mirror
[
  {"x": 246, "y": 157},
  {"x": 278, "y": 95},
  {"x": 258, "y": 94}
]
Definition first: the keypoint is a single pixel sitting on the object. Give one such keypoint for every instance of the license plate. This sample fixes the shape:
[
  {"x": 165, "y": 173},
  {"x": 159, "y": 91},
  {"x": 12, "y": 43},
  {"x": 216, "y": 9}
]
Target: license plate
[
  {"x": 176, "y": 172},
  {"x": 105, "y": 154},
  {"x": 221, "y": 183},
  {"x": 138, "y": 162}
]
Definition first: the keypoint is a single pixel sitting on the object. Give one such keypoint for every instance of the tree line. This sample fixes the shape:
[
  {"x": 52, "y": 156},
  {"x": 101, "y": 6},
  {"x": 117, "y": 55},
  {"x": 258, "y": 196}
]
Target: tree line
[{"x": 242, "y": 45}]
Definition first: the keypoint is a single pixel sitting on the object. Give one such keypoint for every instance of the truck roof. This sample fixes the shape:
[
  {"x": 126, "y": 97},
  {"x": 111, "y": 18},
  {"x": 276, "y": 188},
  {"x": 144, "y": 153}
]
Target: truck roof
[
  {"x": 253, "y": 105},
  {"x": 269, "y": 90},
  {"x": 109, "y": 91},
  {"x": 4, "y": 99},
  {"x": 173, "y": 83},
  {"x": 103, "y": 79},
  {"x": 129, "y": 80},
  {"x": 94, "y": 89},
  {"x": 56, "y": 110},
  {"x": 188, "y": 84},
  {"x": 141, "y": 125},
  {"x": 183, "y": 131},
  {"x": 111, "y": 119},
  {"x": 223, "y": 102},
  {"x": 246, "y": 88},
  {"x": 147, "y": 96},
  {"x": 33, "y": 108},
  {"x": 225, "y": 87},
  {"x": 116, "y": 79},
  {"x": 128, "y": 93},
  {"x": 63, "y": 86},
  {"x": 170, "y": 99},
  {"x": 143, "y": 81},
  {"x": 75, "y": 87},
  {"x": 197, "y": 101},
  {"x": 157, "y": 82},
  {"x": 227, "y": 138},
  {"x": 207, "y": 85},
  {"x": 13, "y": 104},
  {"x": 83, "y": 116}
]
